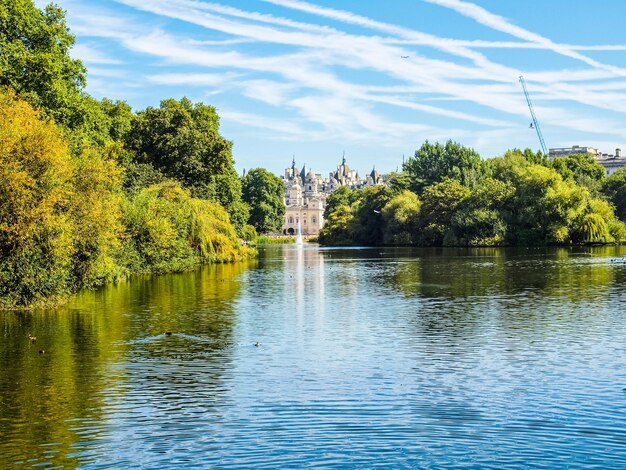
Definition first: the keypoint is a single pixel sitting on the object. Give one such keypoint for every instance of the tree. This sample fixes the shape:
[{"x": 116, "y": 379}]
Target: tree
[
  {"x": 481, "y": 219},
  {"x": 439, "y": 204},
  {"x": 432, "y": 163},
  {"x": 398, "y": 181},
  {"x": 400, "y": 217},
  {"x": 96, "y": 208},
  {"x": 263, "y": 192},
  {"x": 168, "y": 230},
  {"x": 340, "y": 227},
  {"x": 582, "y": 168},
  {"x": 36, "y": 174},
  {"x": 527, "y": 154},
  {"x": 35, "y": 60},
  {"x": 342, "y": 196},
  {"x": 182, "y": 141},
  {"x": 369, "y": 219},
  {"x": 545, "y": 206},
  {"x": 614, "y": 188}
]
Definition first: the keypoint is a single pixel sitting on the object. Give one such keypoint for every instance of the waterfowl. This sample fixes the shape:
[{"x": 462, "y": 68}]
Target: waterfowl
[
  {"x": 257, "y": 344},
  {"x": 42, "y": 351},
  {"x": 32, "y": 338},
  {"x": 168, "y": 333}
]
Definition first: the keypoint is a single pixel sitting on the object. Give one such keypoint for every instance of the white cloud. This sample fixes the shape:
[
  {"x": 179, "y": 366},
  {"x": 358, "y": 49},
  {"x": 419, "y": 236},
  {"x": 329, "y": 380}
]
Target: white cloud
[
  {"x": 499, "y": 23},
  {"x": 349, "y": 86}
]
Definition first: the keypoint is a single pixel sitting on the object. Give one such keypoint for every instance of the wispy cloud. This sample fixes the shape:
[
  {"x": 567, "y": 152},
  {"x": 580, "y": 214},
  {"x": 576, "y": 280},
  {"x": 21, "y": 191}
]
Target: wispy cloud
[
  {"x": 361, "y": 80},
  {"x": 499, "y": 23},
  {"x": 91, "y": 55}
]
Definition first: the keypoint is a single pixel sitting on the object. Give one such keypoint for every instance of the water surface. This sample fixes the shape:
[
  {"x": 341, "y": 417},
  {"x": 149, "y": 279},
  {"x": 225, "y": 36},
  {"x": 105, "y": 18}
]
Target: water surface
[{"x": 368, "y": 357}]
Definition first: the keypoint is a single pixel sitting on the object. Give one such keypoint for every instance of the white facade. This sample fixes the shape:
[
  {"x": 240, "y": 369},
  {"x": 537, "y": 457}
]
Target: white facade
[
  {"x": 306, "y": 192},
  {"x": 611, "y": 163}
]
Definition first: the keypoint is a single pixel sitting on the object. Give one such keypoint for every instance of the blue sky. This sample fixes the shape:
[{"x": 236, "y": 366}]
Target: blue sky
[{"x": 315, "y": 79}]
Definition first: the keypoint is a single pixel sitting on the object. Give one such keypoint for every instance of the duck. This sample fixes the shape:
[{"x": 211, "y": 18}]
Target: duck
[
  {"x": 32, "y": 338},
  {"x": 257, "y": 344},
  {"x": 168, "y": 333},
  {"x": 42, "y": 351}
]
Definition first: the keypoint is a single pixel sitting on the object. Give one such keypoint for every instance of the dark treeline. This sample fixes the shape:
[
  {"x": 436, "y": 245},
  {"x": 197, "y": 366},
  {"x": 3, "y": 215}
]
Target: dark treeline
[
  {"x": 91, "y": 191},
  {"x": 447, "y": 195}
]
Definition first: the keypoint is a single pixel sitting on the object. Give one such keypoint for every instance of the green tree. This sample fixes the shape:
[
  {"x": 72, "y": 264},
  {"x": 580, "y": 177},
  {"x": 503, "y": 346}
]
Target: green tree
[
  {"x": 481, "y": 219},
  {"x": 614, "y": 189},
  {"x": 168, "y": 230},
  {"x": 439, "y": 204},
  {"x": 583, "y": 169},
  {"x": 342, "y": 196},
  {"x": 598, "y": 224},
  {"x": 400, "y": 217},
  {"x": 35, "y": 60},
  {"x": 432, "y": 163},
  {"x": 339, "y": 228},
  {"x": 545, "y": 206},
  {"x": 527, "y": 154},
  {"x": 263, "y": 192},
  {"x": 369, "y": 219},
  {"x": 398, "y": 181},
  {"x": 182, "y": 141}
]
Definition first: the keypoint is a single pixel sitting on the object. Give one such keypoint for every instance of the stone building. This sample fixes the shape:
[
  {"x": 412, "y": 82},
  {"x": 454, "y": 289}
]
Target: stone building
[
  {"x": 306, "y": 193},
  {"x": 611, "y": 163},
  {"x": 305, "y": 200},
  {"x": 344, "y": 176},
  {"x": 374, "y": 178}
]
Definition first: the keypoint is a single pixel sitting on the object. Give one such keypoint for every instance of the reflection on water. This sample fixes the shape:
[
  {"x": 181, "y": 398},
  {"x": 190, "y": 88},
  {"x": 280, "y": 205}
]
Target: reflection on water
[{"x": 396, "y": 357}]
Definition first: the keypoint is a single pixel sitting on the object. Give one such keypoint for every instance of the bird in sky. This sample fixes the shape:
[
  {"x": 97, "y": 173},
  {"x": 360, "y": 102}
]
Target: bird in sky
[
  {"x": 531, "y": 126},
  {"x": 404, "y": 56}
]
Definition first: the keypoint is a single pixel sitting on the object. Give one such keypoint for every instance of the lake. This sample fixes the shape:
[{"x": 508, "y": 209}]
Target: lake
[{"x": 368, "y": 357}]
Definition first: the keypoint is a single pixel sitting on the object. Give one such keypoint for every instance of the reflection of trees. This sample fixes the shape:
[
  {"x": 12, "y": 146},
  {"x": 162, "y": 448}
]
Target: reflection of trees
[
  {"x": 105, "y": 353},
  {"x": 576, "y": 273},
  {"x": 467, "y": 289}
]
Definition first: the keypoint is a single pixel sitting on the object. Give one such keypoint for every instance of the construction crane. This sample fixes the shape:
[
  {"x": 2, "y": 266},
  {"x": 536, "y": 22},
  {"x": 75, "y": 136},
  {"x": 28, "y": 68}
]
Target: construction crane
[{"x": 535, "y": 123}]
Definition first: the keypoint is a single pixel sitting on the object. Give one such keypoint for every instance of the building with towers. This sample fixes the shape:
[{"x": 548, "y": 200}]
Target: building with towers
[{"x": 306, "y": 192}]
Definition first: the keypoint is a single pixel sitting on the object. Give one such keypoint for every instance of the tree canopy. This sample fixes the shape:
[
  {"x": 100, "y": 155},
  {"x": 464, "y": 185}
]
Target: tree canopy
[
  {"x": 263, "y": 192},
  {"x": 521, "y": 198},
  {"x": 35, "y": 60},
  {"x": 434, "y": 162},
  {"x": 181, "y": 140}
]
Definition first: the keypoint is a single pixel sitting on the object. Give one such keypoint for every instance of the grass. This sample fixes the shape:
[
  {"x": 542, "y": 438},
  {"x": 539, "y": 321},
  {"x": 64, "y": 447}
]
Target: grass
[{"x": 276, "y": 239}]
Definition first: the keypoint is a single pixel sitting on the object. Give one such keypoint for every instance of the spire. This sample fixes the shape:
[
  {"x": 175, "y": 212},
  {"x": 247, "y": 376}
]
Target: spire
[
  {"x": 303, "y": 173},
  {"x": 343, "y": 161},
  {"x": 293, "y": 162}
]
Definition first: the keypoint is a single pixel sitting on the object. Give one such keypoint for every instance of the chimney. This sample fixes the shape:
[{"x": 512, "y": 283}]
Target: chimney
[{"x": 617, "y": 153}]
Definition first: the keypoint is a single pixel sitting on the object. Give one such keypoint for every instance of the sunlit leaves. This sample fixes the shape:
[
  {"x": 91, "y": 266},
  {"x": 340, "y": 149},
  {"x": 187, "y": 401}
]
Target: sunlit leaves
[{"x": 263, "y": 192}]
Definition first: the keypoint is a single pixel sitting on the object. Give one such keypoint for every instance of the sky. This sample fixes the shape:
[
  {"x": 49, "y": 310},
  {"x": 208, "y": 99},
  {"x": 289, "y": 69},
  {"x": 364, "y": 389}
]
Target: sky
[{"x": 373, "y": 79}]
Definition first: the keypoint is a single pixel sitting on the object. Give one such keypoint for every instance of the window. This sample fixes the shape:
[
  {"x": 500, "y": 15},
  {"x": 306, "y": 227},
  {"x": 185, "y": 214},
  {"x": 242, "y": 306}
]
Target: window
[
  {"x": 291, "y": 220},
  {"x": 309, "y": 187},
  {"x": 304, "y": 222},
  {"x": 313, "y": 220}
]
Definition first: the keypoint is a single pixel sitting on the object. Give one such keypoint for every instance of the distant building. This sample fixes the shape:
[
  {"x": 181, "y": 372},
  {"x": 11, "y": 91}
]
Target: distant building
[
  {"x": 374, "y": 178},
  {"x": 611, "y": 163},
  {"x": 305, "y": 200},
  {"x": 344, "y": 176},
  {"x": 306, "y": 192}
]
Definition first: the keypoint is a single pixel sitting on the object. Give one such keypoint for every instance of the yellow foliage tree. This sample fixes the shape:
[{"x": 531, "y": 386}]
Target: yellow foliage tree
[{"x": 36, "y": 174}]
